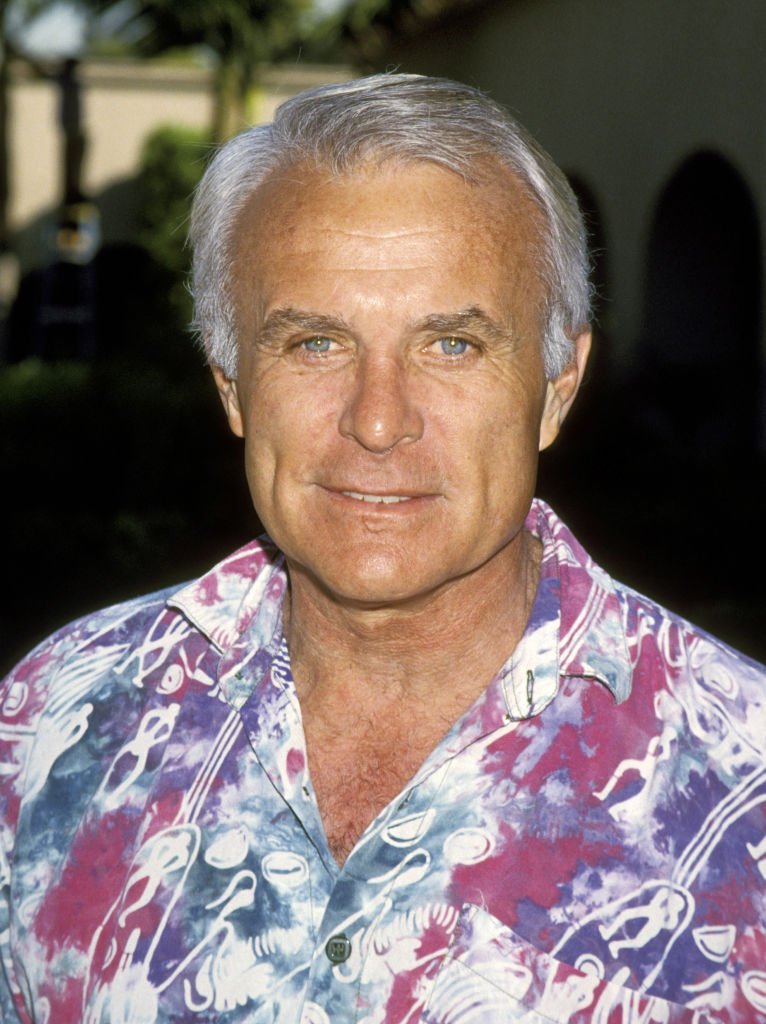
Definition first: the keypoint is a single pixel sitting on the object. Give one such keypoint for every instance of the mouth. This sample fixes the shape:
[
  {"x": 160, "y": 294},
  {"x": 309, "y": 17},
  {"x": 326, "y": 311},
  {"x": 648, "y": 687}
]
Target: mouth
[{"x": 377, "y": 499}]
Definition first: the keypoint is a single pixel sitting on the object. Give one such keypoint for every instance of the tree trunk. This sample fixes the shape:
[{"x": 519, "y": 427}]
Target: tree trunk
[
  {"x": 226, "y": 99},
  {"x": 234, "y": 82}
]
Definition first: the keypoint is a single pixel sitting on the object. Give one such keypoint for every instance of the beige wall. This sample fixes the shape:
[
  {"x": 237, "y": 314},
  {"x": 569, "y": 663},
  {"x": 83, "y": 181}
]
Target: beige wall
[
  {"x": 122, "y": 105},
  {"x": 122, "y": 102},
  {"x": 620, "y": 92},
  {"x": 34, "y": 150}
]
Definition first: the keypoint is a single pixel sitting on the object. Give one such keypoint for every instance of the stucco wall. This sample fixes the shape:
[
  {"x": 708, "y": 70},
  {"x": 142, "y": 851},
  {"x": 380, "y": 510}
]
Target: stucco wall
[
  {"x": 620, "y": 92},
  {"x": 122, "y": 102}
]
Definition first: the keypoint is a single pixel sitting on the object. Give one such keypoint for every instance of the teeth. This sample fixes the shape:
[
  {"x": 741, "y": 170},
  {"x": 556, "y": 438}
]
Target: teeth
[{"x": 376, "y": 499}]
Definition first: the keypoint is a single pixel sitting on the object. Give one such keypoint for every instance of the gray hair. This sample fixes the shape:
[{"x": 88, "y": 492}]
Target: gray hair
[{"x": 398, "y": 117}]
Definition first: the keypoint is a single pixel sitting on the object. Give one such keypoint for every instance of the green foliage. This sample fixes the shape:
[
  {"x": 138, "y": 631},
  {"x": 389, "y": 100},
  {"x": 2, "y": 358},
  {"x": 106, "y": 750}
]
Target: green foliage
[
  {"x": 258, "y": 30},
  {"x": 38, "y": 384},
  {"x": 172, "y": 162}
]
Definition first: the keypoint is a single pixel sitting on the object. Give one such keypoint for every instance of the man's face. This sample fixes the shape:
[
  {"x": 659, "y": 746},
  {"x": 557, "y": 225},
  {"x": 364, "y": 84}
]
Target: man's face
[{"x": 390, "y": 388}]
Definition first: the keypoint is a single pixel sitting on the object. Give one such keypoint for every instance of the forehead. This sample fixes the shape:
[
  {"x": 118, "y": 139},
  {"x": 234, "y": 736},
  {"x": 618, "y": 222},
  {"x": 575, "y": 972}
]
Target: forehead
[{"x": 407, "y": 217}]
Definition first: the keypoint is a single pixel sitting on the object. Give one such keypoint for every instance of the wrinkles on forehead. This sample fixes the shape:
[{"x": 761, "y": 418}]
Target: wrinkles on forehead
[{"x": 273, "y": 235}]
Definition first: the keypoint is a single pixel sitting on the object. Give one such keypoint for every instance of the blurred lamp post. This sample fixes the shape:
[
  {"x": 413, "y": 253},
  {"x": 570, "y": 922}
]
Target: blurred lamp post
[{"x": 53, "y": 40}]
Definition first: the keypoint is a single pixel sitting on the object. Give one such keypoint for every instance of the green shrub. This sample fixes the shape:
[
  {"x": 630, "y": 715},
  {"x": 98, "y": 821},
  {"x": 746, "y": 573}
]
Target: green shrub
[{"x": 172, "y": 162}]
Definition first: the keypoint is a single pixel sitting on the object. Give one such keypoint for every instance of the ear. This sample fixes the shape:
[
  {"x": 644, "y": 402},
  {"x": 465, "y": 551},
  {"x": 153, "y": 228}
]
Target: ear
[
  {"x": 227, "y": 389},
  {"x": 560, "y": 392}
]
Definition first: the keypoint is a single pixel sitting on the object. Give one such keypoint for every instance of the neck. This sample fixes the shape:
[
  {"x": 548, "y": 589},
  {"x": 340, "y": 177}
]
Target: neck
[
  {"x": 380, "y": 687},
  {"x": 464, "y": 633}
]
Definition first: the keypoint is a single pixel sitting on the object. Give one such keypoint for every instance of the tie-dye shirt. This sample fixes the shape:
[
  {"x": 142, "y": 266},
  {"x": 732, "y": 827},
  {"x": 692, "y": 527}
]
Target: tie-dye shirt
[{"x": 587, "y": 844}]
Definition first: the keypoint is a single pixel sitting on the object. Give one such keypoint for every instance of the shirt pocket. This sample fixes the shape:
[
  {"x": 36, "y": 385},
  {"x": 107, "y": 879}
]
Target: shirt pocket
[{"x": 492, "y": 976}]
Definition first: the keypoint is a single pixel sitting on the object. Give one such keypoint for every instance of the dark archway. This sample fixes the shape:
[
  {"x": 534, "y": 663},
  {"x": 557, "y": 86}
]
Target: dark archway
[
  {"x": 694, "y": 483},
  {"x": 700, "y": 347},
  {"x": 661, "y": 476}
]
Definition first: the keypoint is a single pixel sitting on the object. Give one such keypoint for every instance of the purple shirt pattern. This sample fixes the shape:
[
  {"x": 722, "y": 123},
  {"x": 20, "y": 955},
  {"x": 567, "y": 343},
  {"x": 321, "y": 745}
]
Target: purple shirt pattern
[{"x": 587, "y": 843}]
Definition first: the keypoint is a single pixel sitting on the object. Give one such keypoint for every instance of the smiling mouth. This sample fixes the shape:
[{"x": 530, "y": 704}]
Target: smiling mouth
[{"x": 377, "y": 499}]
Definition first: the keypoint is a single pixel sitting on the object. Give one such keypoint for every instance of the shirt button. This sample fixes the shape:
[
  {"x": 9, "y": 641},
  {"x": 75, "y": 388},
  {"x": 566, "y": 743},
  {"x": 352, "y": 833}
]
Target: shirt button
[{"x": 338, "y": 948}]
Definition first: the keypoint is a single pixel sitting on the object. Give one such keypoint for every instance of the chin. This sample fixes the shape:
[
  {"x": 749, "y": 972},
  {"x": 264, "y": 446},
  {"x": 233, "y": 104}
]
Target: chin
[
  {"x": 372, "y": 591},
  {"x": 372, "y": 583}
]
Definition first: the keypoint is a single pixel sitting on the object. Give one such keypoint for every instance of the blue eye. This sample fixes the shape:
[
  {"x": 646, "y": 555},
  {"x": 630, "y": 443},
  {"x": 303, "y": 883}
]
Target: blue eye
[
  {"x": 453, "y": 346},
  {"x": 317, "y": 344}
]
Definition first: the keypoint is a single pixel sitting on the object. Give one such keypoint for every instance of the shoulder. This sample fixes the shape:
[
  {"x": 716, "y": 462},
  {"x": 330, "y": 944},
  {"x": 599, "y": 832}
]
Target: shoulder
[
  {"x": 48, "y": 699},
  {"x": 635, "y": 645},
  {"x": 656, "y": 663},
  {"x": 144, "y": 626},
  {"x": 690, "y": 686},
  {"x": 113, "y": 629},
  {"x": 87, "y": 686},
  {"x": 661, "y": 642}
]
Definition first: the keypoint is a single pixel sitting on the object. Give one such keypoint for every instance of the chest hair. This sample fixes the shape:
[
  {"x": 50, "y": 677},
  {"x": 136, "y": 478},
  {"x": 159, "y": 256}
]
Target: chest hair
[{"x": 358, "y": 770}]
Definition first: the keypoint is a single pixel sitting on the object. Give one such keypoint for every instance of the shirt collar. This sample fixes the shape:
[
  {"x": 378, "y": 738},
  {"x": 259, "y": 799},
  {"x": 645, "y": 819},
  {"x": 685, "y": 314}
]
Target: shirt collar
[
  {"x": 589, "y": 616},
  {"x": 576, "y": 626},
  {"x": 238, "y": 607}
]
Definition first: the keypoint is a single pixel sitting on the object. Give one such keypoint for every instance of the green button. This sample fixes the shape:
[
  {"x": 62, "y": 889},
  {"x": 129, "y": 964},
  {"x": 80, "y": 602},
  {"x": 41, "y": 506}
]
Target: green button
[{"x": 338, "y": 949}]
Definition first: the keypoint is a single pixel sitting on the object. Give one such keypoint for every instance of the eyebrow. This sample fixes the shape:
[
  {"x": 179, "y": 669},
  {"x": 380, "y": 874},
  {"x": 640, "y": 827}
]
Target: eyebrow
[
  {"x": 472, "y": 319},
  {"x": 282, "y": 321}
]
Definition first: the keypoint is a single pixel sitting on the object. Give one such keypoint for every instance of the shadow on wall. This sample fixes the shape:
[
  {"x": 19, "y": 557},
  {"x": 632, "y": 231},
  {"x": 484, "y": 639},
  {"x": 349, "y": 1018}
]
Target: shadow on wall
[
  {"x": 664, "y": 480},
  {"x": 703, "y": 314}
]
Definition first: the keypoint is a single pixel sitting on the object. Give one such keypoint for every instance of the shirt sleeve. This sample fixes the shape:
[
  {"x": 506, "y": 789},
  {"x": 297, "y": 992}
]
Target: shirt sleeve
[{"x": 22, "y": 696}]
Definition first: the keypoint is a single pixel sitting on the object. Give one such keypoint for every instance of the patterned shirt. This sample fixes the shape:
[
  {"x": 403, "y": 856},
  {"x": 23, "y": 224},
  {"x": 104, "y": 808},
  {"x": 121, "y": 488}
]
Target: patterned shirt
[{"x": 586, "y": 844}]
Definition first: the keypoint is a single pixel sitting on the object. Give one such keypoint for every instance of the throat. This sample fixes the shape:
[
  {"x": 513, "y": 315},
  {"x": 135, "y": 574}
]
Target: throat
[{"x": 376, "y": 701}]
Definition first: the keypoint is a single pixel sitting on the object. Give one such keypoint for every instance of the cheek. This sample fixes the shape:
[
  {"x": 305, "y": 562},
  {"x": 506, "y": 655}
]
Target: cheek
[
  {"x": 501, "y": 421},
  {"x": 287, "y": 425},
  {"x": 501, "y": 449}
]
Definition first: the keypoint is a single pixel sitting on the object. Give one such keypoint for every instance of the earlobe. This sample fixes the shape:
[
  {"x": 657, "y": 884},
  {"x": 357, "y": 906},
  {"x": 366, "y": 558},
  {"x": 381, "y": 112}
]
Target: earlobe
[
  {"x": 227, "y": 389},
  {"x": 561, "y": 392}
]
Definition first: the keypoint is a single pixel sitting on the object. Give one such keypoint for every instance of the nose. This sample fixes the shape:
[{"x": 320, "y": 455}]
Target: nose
[{"x": 380, "y": 412}]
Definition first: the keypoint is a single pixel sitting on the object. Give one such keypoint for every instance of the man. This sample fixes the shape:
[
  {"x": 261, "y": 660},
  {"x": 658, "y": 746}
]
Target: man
[{"x": 415, "y": 757}]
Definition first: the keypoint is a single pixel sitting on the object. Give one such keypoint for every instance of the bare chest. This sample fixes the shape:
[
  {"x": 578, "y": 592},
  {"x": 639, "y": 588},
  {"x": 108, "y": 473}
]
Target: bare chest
[{"x": 357, "y": 775}]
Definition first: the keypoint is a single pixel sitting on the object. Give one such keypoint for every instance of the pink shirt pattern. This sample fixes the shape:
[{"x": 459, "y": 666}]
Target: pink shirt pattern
[{"x": 587, "y": 844}]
